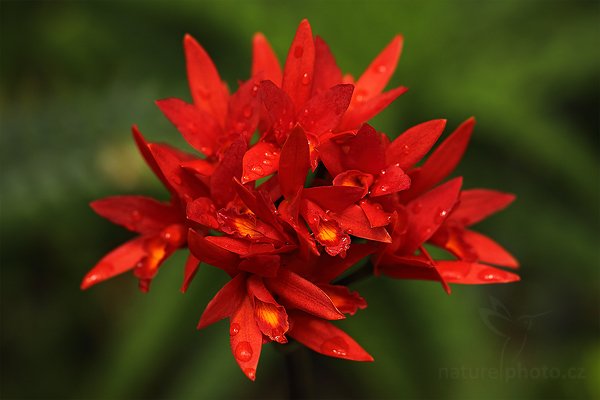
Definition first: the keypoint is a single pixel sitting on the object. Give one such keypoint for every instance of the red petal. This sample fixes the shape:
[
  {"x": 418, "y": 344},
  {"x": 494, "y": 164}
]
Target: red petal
[
  {"x": 264, "y": 60},
  {"x": 191, "y": 267},
  {"x": 245, "y": 338},
  {"x": 270, "y": 316},
  {"x": 244, "y": 110},
  {"x": 411, "y": 267},
  {"x": 169, "y": 159},
  {"x": 326, "y": 230},
  {"x": 137, "y": 213},
  {"x": 332, "y": 157},
  {"x": 428, "y": 212},
  {"x": 222, "y": 185},
  {"x": 324, "y": 111},
  {"x": 327, "y": 72},
  {"x": 296, "y": 292},
  {"x": 325, "y": 338},
  {"x": 334, "y": 198},
  {"x": 408, "y": 148},
  {"x": 225, "y": 303},
  {"x": 298, "y": 73},
  {"x": 363, "y": 112},
  {"x": 390, "y": 180},
  {"x": 143, "y": 147},
  {"x": 247, "y": 226},
  {"x": 206, "y": 87},
  {"x": 354, "y": 178},
  {"x": 354, "y": 221},
  {"x": 473, "y": 273},
  {"x": 200, "y": 167},
  {"x": 366, "y": 151},
  {"x": 121, "y": 259},
  {"x": 260, "y": 160},
  {"x": 211, "y": 254},
  {"x": 237, "y": 246},
  {"x": 202, "y": 211},
  {"x": 477, "y": 204},
  {"x": 378, "y": 73},
  {"x": 329, "y": 268},
  {"x": 345, "y": 300},
  {"x": 198, "y": 127},
  {"x": 489, "y": 251},
  {"x": 375, "y": 214},
  {"x": 280, "y": 109},
  {"x": 293, "y": 163},
  {"x": 443, "y": 160}
]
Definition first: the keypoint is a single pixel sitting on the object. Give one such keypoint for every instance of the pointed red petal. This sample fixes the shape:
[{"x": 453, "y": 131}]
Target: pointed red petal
[
  {"x": 237, "y": 246},
  {"x": 364, "y": 111},
  {"x": 121, "y": 259},
  {"x": 377, "y": 75},
  {"x": 489, "y": 251},
  {"x": 390, "y": 180},
  {"x": 209, "y": 253},
  {"x": 325, "y": 338},
  {"x": 262, "y": 265},
  {"x": 264, "y": 60},
  {"x": 366, "y": 151},
  {"x": 191, "y": 267},
  {"x": 332, "y": 157},
  {"x": 298, "y": 73},
  {"x": 324, "y": 111},
  {"x": 345, "y": 300},
  {"x": 334, "y": 198},
  {"x": 280, "y": 109},
  {"x": 206, "y": 87},
  {"x": 260, "y": 160},
  {"x": 325, "y": 229},
  {"x": 143, "y": 147},
  {"x": 375, "y": 214},
  {"x": 297, "y": 292},
  {"x": 327, "y": 72},
  {"x": 225, "y": 303},
  {"x": 443, "y": 160},
  {"x": 222, "y": 185},
  {"x": 137, "y": 213},
  {"x": 408, "y": 148},
  {"x": 473, "y": 273},
  {"x": 200, "y": 167},
  {"x": 184, "y": 183},
  {"x": 202, "y": 211},
  {"x": 244, "y": 110},
  {"x": 355, "y": 222},
  {"x": 477, "y": 204},
  {"x": 428, "y": 212},
  {"x": 198, "y": 127},
  {"x": 410, "y": 267},
  {"x": 293, "y": 163},
  {"x": 270, "y": 316},
  {"x": 245, "y": 338}
]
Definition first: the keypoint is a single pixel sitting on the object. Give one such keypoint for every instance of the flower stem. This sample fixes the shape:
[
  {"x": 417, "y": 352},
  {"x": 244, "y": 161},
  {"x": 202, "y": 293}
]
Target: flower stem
[
  {"x": 364, "y": 272},
  {"x": 299, "y": 371}
]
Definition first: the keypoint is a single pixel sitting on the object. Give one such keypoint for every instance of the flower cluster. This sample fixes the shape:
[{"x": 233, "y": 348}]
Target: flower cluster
[{"x": 290, "y": 188}]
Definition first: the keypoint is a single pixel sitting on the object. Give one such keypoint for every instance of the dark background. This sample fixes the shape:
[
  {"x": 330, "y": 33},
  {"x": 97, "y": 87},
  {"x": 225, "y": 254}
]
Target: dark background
[{"x": 76, "y": 75}]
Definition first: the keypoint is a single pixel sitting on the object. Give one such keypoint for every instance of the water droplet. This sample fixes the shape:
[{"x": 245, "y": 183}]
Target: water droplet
[
  {"x": 268, "y": 154},
  {"x": 243, "y": 351},
  {"x": 136, "y": 215},
  {"x": 205, "y": 150},
  {"x": 234, "y": 329},
  {"x": 305, "y": 111},
  {"x": 245, "y": 179},
  {"x": 381, "y": 69},
  {"x": 305, "y": 79},
  {"x": 267, "y": 162},
  {"x": 416, "y": 208},
  {"x": 406, "y": 149},
  {"x": 384, "y": 188},
  {"x": 440, "y": 216},
  {"x": 486, "y": 275},
  {"x": 254, "y": 90},
  {"x": 397, "y": 165},
  {"x": 349, "y": 231},
  {"x": 290, "y": 125},
  {"x": 247, "y": 112},
  {"x": 257, "y": 169},
  {"x": 361, "y": 96},
  {"x": 378, "y": 206},
  {"x": 280, "y": 339},
  {"x": 250, "y": 373},
  {"x": 382, "y": 172},
  {"x": 298, "y": 51},
  {"x": 275, "y": 154},
  {"x": 336, "y": 346}
]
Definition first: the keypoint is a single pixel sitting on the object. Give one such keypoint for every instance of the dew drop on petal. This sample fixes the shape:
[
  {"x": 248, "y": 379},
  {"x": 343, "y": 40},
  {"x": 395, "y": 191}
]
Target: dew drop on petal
[
  {"x": 349, "y": 231},
  {"x": 245, "y": 179},
  {"x": 336, "y": 346},
  {"x": 136, "y": 215},
  {"x": 298, "y": 51},
  {"x": 234, "y": 329},
  {"x": 382, "y": 172},
  {"x": 267, "y": 162},
  {"x": 406, "y": 149},
  {"x": 254, "y": 90},
  {"x": 305, "y": 79},
  {"x": 250, "y": 373},
  {"x": 381, "y": 69},
  {"x": 257, "y": 169},
  {"x": 384, "y": 188},
  {"x": 417, "y": 207},
  {"x": 243, "y": 351},
  {"x": 247, "y": 111}
]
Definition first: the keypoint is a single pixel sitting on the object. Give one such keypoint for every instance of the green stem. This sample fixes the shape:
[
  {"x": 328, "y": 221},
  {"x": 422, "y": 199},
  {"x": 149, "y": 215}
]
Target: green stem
[{"x": 364, "y": 272}]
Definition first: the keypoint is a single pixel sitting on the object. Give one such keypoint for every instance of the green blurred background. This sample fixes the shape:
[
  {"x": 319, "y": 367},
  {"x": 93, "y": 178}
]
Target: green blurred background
[{"x": 76, "y": 75}]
